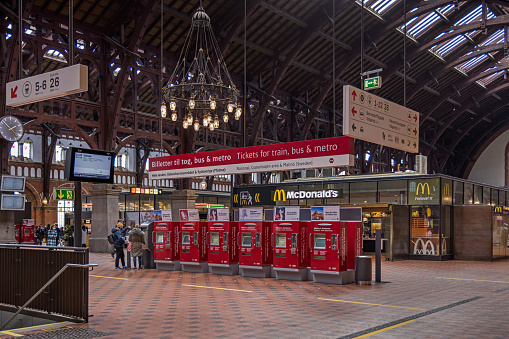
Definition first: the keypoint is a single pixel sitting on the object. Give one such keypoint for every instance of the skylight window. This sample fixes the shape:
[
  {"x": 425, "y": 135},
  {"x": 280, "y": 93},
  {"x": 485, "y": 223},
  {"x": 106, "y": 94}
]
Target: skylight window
[
  {"x": 53, "y": 54},
  {"x": 116, "y": 70},
  {"x": 451, "y": 44},
  {"x": 496, "y": 37},
  {"x": 423, "y": 23},
  {"x": 381, "y": 6},
  {"x": 473, "y": 62}
]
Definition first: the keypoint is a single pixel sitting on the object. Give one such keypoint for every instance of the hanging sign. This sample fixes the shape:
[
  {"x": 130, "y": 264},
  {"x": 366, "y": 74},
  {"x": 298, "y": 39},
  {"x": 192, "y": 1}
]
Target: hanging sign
[{"x": 319, "y": 153}]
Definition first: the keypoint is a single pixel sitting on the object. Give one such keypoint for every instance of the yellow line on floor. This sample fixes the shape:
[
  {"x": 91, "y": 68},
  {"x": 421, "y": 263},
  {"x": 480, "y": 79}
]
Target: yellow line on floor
[
  {"x": 383, "y": 330},
  {"x": 12, "y": 333},
  {"x": 493, "y": 281},
  {"x": 102, "y": 276},
  {"x": 358, "y": 302},
  {"x": 33, "y": 328},
  {"x": 218, "y": 288}
]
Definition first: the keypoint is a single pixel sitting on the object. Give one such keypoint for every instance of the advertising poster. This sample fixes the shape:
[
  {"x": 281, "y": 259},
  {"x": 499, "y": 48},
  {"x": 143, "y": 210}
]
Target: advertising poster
[
  {"x": 28, "y": 222},
  {"x": 132, "y": 218},
  {"x": 286, "y": 213},
  {"x": 218, "y": 214},
  {"x": 146, "y": 216},
  {"x": 251, "y": 214},
  {"x": 325, "y": 213},
  {"x": 162, "y": 215},
  {"x": 189, "y": 215}
]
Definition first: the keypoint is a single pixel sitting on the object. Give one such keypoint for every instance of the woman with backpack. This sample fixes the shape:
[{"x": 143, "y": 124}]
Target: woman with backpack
[
  {"x": 137, "y": 240},
  {"x": 119, "y": 233}
]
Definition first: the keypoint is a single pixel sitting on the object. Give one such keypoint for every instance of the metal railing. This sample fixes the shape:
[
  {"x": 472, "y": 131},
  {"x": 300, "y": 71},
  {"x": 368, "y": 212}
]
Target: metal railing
[{"x": 25, "y": 268}]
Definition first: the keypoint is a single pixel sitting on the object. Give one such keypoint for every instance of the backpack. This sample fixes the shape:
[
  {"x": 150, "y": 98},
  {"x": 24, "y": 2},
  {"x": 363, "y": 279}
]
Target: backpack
[{"x": 111, "y": 238}]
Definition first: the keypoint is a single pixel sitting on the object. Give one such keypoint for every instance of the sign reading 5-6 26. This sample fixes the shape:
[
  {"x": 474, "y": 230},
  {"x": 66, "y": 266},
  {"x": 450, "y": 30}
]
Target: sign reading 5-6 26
[{"x": 57, "y": 83}]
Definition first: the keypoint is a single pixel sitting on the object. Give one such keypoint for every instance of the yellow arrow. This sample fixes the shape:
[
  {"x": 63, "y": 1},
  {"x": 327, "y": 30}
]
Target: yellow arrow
[{"x": 60, "y": 195}]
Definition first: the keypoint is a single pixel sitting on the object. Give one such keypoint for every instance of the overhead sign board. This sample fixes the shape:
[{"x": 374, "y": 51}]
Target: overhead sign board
[
  {"x": 374, "y": 119},
  {"x": 319, "y": 153},
  {"x": 372, "y": 83},
  {"x": 53, "y": 84}
]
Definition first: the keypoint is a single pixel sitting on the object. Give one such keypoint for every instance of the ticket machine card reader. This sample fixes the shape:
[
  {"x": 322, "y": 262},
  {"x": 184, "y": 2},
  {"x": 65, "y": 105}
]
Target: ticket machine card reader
[{"x": 225, "y": 241}]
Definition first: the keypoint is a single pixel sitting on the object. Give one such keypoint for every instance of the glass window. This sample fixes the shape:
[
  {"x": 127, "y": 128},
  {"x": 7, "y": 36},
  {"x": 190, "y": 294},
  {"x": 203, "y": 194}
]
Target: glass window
[
  {"x": 214, "y": 238},
  {"x": 494, "y": 196},
  {"x": 425, "y": 230},
  {"x": 27, "y": 149},
  {"x": 342, "y": 190},
  {"x": 486, "y": 195},
  {"x": 363, "y": 192},
  {"x": 468, "y": 197},
  {"x": 121, "y": 203},
  {"x": 392, "y": 192},
  {"x": 501, "y": 197},
  {"x": 14, "y": 149},
  {"x": 163, "y": 202},
  {"x": 146, "y": 202},
  {"x": 458, "y": 193},
  {"x": 132, "y": 202},
  {"x": 59, "y": 153},
  {"x": 477, "y": 194}
]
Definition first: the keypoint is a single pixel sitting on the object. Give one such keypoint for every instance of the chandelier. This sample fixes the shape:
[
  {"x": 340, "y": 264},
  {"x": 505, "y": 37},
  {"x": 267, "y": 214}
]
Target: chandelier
[{"x": 202, "y": 90}]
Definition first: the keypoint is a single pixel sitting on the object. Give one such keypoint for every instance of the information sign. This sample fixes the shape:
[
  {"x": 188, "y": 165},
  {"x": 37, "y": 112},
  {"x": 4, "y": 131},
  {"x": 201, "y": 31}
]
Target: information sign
[
  {"x": 374, "y": 119},
  {"x": 53, "y": 84},
  {"x": 372, "y": 83},
  {"x": 64, "y": 194}
]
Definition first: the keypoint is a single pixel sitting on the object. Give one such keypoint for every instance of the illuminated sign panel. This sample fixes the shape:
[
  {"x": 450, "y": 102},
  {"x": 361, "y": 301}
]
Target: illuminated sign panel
[{"x": 424, "y": 192}]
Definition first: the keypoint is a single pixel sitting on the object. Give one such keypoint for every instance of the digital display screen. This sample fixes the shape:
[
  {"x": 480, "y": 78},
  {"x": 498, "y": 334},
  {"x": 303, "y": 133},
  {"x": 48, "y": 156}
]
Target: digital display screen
[
  {"x": 186, "y": 238},
  {"x": 350, "y": 214},
  {"x": 13, "y": 183},
  {"x": 89, "y": 165},
  {"x": 246, "y": 240},
  {"x": 214, "y": 238},
  {"x": 13, "y": 202},
  {"x": 159, "y": 238},
  {"x": 281, "y": 240},
  {"x": 320, "y": 241}
]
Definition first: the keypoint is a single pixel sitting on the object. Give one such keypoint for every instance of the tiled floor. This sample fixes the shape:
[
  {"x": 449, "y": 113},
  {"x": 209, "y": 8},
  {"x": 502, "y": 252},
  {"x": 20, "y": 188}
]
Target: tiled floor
[{"x": 416, "y": 299}]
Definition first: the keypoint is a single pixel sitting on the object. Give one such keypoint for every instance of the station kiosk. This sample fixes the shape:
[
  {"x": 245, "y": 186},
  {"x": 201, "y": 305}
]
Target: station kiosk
[
  {"x": 27, "y": 233},
  {"x": 193, "y": 242},
  {"x": 328, "y": 245},
  {"x": 255, "y": 257},
  {"x": 290, "y": 244},
  {"x": 223, "y": 249},
  {"x": 166, "y": 243}
]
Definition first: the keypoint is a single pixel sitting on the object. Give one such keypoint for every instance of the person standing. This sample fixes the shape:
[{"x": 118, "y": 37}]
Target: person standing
[
  {"x": 119, "y": 233},
  {"x": 52, "y": 238},
  {"x": 137, "y": 240},
  {"x": 84, "y": 233}
]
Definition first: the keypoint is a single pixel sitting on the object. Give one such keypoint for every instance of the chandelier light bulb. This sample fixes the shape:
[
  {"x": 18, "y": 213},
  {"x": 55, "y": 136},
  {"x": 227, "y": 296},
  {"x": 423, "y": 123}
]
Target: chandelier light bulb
[
  {"x": 225, "y": 117},
  {"x": 212, "y": 104},
  {"x": 191, "y": 103},
  {"x": 189, "y": 119},
  {"x": 163, "y": 110},
  {"x": 203, "y": 185},
  {"x": 185, "y": 124},
  {"x": 209, "y": 116},
  {"x": 173, "y": 105},
  {"x": 230, "y": 107},
  {"x": 174, "y": 116},
  {"x": 205, "y": 120},
  {"x": 211, "y": 126},
  {"x": 216, "y": 122},
  {"x": 238, "y": 111},
  {"x": 196, "y": 125}
]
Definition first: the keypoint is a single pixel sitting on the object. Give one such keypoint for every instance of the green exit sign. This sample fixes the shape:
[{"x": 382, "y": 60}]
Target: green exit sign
[
  {"x": 373, "y": 83},
  {"x": 64, "y": 194}
]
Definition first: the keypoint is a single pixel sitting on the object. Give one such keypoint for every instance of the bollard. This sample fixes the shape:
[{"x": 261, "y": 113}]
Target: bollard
[{"x": 363, "y": 270}]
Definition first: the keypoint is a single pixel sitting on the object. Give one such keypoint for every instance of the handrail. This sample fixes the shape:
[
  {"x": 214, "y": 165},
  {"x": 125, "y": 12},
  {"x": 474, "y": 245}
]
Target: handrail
[
  {"x": 43, "y": 247},
  {"x": 44, "y": 287}
]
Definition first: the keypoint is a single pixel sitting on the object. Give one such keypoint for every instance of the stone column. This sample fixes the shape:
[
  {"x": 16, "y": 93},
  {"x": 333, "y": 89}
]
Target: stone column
[
  {"x": 184, "y": 199},
  {"x": 104, "y": 216}
]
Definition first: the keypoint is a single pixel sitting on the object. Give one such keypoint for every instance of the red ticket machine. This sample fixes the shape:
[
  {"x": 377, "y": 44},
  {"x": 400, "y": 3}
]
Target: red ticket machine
[
  {"x": 354, "y": 234},
  {"x": 193, "y": 246},
  {"x": 166, "y": 245},
  {"x": 255, "y": 258},
  {"x": 328, "y": 244},
  {"x": 223, "y": 256},
  {"x": 27, "y": 233},
  {"x": 290, "y": 246}
]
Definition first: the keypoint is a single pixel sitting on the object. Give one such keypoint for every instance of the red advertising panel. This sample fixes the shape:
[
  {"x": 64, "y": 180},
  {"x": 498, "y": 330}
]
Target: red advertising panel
[
  {"x": 193, "y": 241},
  {"x": 254, "y": 240},
  {"x": 223, "y": 246},
  {"x": 354, "y": 234},
  {"x": 289, "y": 240},
  {"x": 330, "y": 152},
  {"x": 166, "y": 241}
]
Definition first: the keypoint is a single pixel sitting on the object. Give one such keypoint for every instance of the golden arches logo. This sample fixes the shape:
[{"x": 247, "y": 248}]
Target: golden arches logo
[
  {"x": 257, "y": 197},
  {"x": 236, "y": 198},
  {"x": 279, "y": 195},
  {"x": 498, "y": 209},
  {"x": 423, "y": 187},
  {"x": 447, "y": 189}
]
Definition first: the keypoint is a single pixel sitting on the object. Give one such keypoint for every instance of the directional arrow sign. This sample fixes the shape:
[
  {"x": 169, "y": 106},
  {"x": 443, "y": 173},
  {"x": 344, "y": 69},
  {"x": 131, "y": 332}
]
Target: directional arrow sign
[
  {"x": 382, "y": 122},
  {"x": 64, "y": 194}
]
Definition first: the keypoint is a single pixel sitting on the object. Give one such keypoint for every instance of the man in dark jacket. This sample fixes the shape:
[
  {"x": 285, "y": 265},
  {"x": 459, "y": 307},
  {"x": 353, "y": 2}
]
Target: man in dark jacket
[{"x": 119, "y": 233}]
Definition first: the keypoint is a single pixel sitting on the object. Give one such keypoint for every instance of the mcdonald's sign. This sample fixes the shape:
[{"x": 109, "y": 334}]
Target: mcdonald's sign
[
  {"x": 498, "y": 209},
  {"x": 280, "y": 195},
  {"x": 446, "y": 192},
  {"x": 424, "y": 191}
]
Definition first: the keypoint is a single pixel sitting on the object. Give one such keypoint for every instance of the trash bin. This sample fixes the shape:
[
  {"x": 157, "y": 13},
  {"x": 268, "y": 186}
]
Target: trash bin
[
  {"x": 363, "y": 270},
  {"x": 148, "y": 259}
]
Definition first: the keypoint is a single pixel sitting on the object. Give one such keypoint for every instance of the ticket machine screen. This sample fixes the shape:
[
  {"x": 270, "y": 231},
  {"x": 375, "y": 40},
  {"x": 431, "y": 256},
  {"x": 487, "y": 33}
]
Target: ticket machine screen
[
  {"x": 159, "y": 238},
  {"x": 246, "y": 239},
  {"x": 186, "y": 238},
  {"x": 214, "y": 238},
  {"x": 320, "y": 241},
  {"x": 281, "y": 240}
]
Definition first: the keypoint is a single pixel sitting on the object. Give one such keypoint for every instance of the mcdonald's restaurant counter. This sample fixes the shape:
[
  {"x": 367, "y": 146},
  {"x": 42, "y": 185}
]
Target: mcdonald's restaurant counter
[{"x": 421, "y": 216}]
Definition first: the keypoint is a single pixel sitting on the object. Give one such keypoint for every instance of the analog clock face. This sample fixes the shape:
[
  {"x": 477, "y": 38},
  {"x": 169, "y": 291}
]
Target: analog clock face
[{"x": 11, "y": 128}]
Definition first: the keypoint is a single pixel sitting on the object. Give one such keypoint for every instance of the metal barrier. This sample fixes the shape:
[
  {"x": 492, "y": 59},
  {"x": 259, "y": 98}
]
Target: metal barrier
[{"x": 25, "y": 268}]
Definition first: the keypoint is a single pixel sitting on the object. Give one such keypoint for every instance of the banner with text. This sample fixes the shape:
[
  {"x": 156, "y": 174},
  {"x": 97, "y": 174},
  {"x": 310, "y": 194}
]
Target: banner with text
[
  {"x": 331, "y": 152},
  {"x": 189, "y": 215},
  {"x": 251, "y": 214},
  {"x": 325, "y": 213},
  {"x": 286, "y": 213},
  {"x": 218, "y": 214}
]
